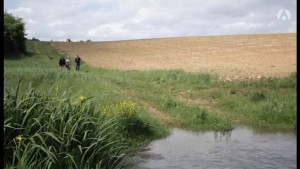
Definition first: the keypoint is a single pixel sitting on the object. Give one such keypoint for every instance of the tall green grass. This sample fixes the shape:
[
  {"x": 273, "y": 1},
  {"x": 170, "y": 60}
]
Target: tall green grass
[
  {"x": 107, "y": 86},
  {"x": 267, "y": 102},
  {"x": 149, "y": 87},
  {"x": 48, "y": 131}
]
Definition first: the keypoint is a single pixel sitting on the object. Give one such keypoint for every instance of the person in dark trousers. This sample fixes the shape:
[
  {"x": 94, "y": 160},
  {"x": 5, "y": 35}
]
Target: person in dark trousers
[
  {"x": 62, "y": 62},
  {"x": 77, "y": 61}
]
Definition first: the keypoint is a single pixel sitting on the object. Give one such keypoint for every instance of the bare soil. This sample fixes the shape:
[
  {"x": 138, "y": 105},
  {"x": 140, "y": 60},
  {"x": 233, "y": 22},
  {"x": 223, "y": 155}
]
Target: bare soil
[{"x": 231, "y": 57}]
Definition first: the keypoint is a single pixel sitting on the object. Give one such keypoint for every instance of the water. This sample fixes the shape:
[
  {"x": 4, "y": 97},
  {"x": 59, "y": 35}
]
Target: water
[{"x": 242, "y": 148}]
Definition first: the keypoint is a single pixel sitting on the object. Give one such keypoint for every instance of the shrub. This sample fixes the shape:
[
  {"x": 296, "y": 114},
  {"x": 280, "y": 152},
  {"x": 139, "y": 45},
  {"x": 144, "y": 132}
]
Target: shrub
[
  {"x": 35, "y": 39},
  {"x": 129, "y": 123},
  {"x": 14, "y": 34}
]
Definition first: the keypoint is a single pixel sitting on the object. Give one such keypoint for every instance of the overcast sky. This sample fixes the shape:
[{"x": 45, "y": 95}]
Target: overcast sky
[{"x": 107, "y": 20}]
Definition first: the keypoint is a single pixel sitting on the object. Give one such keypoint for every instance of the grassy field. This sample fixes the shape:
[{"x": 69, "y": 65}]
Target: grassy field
[
  {"x": 169, "y": 95},
  {"x": 146, "y": 103}
]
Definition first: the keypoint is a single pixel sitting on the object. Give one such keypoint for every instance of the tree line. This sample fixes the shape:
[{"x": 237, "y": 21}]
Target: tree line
[{"x": 14, "y": 34}]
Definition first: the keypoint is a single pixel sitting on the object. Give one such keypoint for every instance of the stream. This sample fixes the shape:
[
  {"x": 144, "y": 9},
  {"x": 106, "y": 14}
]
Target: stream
[{"x": 241, "y": 148}]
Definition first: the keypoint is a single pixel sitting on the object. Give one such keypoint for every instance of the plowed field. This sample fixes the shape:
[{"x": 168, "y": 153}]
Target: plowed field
[{"x": 231, "y": 57}]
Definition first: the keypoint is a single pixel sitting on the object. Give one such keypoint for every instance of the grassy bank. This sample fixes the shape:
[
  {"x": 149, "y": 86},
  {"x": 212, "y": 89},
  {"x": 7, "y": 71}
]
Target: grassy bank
[
  {"x": 45, "y": 90},
  {"x": 186, "y": 98}
]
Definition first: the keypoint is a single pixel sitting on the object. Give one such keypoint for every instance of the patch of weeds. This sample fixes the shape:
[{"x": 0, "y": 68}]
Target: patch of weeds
[
  {"x": 258, "y": 96},
  {"x": 233, "y": 91}
]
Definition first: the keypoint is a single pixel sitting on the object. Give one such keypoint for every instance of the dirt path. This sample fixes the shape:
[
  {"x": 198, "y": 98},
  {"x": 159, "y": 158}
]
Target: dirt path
[
  {"x": 158, "y": 115},
  {"x": 239, "y": 56},
  {"x": 165, "y": 118}
]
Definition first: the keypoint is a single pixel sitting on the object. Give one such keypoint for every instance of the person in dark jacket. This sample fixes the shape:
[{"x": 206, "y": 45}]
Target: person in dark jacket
[
  {"x": 77, "y": 61},
  {"x": 62, "y": 62}
]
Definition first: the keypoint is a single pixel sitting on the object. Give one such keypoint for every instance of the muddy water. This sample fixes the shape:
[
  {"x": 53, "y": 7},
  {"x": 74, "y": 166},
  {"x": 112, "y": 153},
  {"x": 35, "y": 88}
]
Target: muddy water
[{"x": 244, "y": 147}]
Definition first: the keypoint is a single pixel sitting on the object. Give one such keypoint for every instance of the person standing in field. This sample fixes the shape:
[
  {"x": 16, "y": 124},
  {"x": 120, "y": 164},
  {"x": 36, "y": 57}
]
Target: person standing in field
[
  {"x": 77, "y": 61},
  {"x": 62, "y": 62},
  {"x": 68, "y": 63}
]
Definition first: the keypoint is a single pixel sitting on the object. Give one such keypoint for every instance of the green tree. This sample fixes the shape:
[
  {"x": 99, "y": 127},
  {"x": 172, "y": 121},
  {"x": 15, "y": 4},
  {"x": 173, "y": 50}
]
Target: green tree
[
  {"x": 14, "y": 33},
  {"x": 35, "y": 39}
]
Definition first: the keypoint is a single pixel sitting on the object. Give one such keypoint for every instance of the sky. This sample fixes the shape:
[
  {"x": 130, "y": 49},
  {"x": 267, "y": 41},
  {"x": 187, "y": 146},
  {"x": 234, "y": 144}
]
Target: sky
[{"x": 111, "y": 20}]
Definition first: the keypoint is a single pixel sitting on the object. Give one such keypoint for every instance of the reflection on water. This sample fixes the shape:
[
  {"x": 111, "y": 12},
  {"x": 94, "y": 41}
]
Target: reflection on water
[
  {"x": 219, "y": 135},
  {"x": 243, "y": 147}
]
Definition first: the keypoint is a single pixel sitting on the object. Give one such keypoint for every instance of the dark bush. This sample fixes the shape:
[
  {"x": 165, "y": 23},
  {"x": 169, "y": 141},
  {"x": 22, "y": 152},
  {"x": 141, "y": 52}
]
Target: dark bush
[{"x": 14, "y": 34}]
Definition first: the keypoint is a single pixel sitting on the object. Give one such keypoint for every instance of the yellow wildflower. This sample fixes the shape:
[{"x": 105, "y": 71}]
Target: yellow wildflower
[
  {"x": 82, "y": 98},
  {"x": 20, "y": 138}
]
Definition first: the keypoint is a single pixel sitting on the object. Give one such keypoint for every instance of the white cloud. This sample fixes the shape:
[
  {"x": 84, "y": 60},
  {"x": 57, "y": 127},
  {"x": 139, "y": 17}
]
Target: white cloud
[
  {"x": 135, "y": 19},
  {"x": 30, "y": 21},
  {"x": 58, "y": 23},
  {"x": 21, "y": 11},
  {"x": 293, "y": 27},
  {"x": 107, "y": 29}
]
